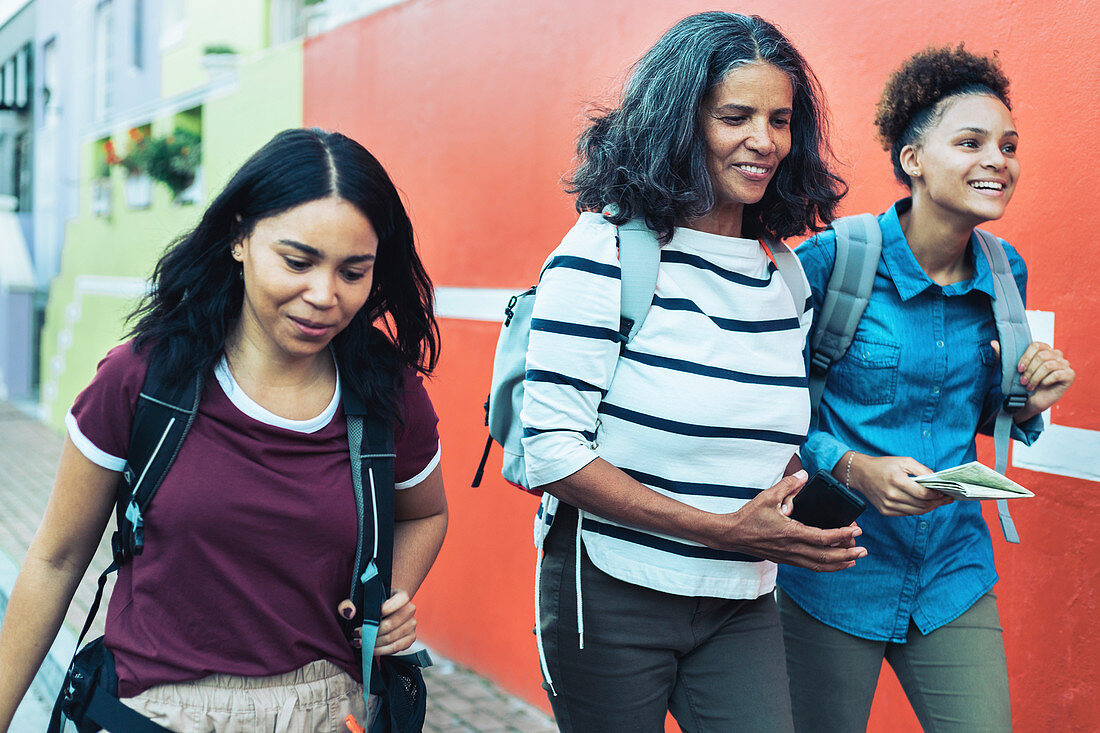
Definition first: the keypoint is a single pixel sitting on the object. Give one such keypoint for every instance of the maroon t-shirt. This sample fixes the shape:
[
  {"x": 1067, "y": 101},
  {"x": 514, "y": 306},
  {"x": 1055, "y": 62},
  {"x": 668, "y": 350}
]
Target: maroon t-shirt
[{"x": 250, "y": 540}]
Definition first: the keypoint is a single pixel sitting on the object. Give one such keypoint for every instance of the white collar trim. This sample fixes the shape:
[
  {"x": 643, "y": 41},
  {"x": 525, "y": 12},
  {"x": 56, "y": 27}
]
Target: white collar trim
[{"x": 254, "y": 410}]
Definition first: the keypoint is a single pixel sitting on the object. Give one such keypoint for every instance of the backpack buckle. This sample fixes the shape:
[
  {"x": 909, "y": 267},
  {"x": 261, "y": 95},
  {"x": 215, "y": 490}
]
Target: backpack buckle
[
  {"x": 137, "y": 527},
  {"x": 118, "y": 553},
  {"x": 510, "y": 309},
  {"x": 1014, "y": 402},
  {"x": 820, "y": 363}
]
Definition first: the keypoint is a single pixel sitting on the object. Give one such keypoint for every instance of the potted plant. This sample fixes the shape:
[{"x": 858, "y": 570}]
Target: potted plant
[
  {"x": 219, "y": 59},
  {"x": 173, "y": 159}
]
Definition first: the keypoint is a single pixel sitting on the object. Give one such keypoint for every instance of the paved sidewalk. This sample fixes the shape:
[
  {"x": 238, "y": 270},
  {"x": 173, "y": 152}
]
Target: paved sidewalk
[{"x": 458, "y": 699}]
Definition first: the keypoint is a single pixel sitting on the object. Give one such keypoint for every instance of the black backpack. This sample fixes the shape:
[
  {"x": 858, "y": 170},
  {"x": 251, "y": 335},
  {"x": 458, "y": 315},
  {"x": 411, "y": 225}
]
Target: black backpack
[{"x": 163, "y": 417}]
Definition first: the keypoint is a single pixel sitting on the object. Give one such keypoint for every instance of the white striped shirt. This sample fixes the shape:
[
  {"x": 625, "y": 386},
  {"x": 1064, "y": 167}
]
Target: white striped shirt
[{"x": 707, "y": 403}]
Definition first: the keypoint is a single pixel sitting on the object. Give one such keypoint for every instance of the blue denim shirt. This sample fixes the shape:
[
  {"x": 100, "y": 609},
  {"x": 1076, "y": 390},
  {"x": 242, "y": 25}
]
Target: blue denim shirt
[{"x": 920, "y": 379}]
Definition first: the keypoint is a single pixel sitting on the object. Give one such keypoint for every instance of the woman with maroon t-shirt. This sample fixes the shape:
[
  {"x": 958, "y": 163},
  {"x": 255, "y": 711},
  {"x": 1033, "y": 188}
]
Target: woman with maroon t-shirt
[{"x": 231, "y": 617}]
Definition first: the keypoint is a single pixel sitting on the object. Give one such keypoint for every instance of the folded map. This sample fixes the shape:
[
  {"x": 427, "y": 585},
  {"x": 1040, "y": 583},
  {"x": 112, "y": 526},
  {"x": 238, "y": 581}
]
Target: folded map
[{"x": 973, "y": 481}]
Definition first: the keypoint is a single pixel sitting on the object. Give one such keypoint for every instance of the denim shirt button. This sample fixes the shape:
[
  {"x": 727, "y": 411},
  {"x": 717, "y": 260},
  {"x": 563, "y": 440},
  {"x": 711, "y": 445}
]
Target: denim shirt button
[
  {"x": 924, "y": 525},
  {"x": 936, "y": 389},
  {"x": 939, "y": 344}
]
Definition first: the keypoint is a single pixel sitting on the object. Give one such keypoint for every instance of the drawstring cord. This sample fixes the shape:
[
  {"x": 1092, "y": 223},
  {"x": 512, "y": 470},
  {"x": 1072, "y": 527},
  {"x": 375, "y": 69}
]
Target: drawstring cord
[
  {"x": 538, "y": 624},
  {"x": 577, "y": 577},
  {"x": 547, "y": 511}
]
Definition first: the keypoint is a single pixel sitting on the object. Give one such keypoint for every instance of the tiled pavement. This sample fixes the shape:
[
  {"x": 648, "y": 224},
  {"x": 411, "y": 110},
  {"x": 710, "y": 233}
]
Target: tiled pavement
[{"x": 458, "y": 699}]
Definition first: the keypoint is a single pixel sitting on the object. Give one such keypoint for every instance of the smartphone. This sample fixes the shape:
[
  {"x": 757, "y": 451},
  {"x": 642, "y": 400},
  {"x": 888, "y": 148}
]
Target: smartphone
[{"x": 826, "y": 503}]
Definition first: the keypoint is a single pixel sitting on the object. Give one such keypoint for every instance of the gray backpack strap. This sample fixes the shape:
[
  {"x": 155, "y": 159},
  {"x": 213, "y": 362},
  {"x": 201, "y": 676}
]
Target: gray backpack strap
[
  {"x": 1014, "y": 336},
  {"x": 639, "y": 258},
  {"x": 858, "y": 248},
  {"x": 786, "y": 262}
]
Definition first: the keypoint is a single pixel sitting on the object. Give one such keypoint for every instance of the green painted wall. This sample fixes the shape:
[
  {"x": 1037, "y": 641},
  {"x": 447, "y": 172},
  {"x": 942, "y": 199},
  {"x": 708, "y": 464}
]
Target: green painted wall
[
  {"x": 239, "y": 24},
  {"x": 123, "y": 247}
]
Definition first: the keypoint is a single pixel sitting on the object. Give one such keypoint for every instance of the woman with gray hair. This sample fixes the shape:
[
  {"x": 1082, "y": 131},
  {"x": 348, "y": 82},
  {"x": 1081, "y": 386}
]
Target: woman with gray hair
[{"x": 669, "y": 463}]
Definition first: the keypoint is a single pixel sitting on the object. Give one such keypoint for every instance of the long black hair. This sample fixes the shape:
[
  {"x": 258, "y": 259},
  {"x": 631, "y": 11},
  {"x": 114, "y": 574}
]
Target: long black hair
[
  {"x": 648, "y": 156},
  {"x": 197, "y": 293}
]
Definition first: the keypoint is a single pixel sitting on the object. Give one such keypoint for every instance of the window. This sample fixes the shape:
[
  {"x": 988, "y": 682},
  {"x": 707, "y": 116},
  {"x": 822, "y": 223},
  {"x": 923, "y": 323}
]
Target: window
[
  {"x": 137, "y": 60},
  {"x": 51, "y": 81},
  {"x": 103, "y": 61},
  {"x": 173, "y": 23},
  {"x": 16, "y": 80},
  {"x": 23, "y": 171},
  {"x": 286, "y": 21}
]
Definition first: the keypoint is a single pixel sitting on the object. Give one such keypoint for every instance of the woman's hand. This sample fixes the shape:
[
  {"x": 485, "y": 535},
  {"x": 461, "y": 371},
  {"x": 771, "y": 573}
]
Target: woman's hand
[
  {"x": 764, "y": 529},
  {"x": 396, "y": 632},
  {"x": 887, "y": 483},
  {"x": 760, "y": 528},
  {"x": 1045, "y": 373}
]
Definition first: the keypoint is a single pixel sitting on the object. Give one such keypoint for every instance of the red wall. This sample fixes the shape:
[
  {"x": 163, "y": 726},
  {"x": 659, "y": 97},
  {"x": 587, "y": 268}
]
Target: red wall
[{"x": 473, "y": 108}]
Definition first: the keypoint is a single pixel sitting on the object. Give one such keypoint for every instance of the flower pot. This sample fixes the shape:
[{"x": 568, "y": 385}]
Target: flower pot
[
  {"x": 139, "y": 190},
  {"x": 192, "y": 194},
  {"x": 101, "y": 197},
  {"x": 220, "y": 65}
]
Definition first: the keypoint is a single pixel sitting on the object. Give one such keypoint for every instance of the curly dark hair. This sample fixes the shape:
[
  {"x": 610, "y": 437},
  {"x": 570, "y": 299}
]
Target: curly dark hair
[
  {"x": 648, "y": 156},
  {"x": 197, "y": 291},
  {"x": 913, "y": 99}
]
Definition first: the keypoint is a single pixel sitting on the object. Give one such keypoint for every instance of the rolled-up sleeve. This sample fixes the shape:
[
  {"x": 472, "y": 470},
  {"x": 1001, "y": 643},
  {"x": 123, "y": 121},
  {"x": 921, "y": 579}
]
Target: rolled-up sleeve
[
  {"x": 821, "y": 451},
  {"x": 572, "y": 353}
]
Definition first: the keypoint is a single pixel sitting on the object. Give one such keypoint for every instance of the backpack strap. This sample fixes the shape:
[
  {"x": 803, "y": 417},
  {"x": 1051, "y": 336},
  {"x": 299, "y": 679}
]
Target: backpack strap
[
  {"x": 786, "y": 261},
  {"x": 858, "y": 248},
  {"x": 163, "y": 416},
  {"x": 108, "y": 712},
  {"x": 639, "y": 258},
  {"x": 370, "y": 443},
  {"x": 1014, "y": 336}
]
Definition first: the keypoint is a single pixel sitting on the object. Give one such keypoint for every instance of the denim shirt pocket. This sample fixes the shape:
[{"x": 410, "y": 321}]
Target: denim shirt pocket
[
  {"x": 868, "y": 372},
  {"x": 987, "y": 355},
  {"x": 989, "y": 377}
]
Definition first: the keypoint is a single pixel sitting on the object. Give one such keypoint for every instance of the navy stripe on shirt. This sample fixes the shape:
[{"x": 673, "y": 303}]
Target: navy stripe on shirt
[
  {"x": 692, "y": 488},
  {"x": 575, "y": 329},
  {"x": 580, "y": 263},
  {"x": 542, "y": 375},
  {"x": 664, "y": 544},
  {"x": 683, "y": 258},
  {"x": 727, "y": 324},
  {"x": 529, "y": 432},
  {"x": 682, "y": 365},
  {"x": 700, "y": 431}
]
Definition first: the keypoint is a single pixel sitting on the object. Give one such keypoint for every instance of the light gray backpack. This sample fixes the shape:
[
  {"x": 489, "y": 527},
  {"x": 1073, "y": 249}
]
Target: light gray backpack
[
  {"x": 858, "y": 249},
  {"x": 639, "y": 258}
]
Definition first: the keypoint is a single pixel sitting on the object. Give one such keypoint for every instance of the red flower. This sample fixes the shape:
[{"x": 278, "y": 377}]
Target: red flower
[{"x": 109, "y": 153}]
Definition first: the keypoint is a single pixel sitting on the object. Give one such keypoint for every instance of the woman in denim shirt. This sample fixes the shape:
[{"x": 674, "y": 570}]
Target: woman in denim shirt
[{"x": 920, "y": 379}]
